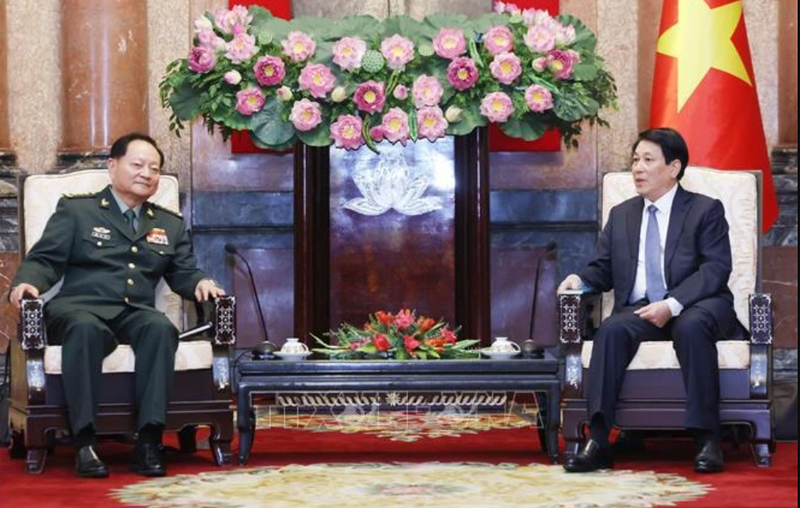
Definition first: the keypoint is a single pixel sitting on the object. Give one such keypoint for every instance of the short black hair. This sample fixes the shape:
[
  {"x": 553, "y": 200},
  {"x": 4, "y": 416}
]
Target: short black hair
[
  {"x": 120, "y": 146},
  {"x": 672, "y": 144}
]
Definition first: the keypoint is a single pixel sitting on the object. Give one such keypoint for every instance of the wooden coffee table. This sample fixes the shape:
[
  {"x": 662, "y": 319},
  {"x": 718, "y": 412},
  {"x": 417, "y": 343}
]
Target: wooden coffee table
[{"x": 331, "y": 376}]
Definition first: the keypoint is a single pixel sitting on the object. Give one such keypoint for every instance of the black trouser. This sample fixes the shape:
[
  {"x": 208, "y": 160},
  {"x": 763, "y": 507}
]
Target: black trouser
[
  {"x": 86, "y": 339},
  {"x": 694, "y": 334}
]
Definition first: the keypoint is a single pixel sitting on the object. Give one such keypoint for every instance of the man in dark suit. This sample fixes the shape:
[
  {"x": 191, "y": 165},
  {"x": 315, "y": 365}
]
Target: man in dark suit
[
  {"x": 112, "y": 248},
  {"x": 667, "y": 256}
]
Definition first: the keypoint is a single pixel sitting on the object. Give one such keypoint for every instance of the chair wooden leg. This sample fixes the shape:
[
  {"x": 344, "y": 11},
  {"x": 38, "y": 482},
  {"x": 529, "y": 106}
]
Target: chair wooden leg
[
  {"x": 34, "y": 462},
  {"x": 17, "y": 448},
  {"x": 187, "y": 439},
  {"x": 762, "y": 454},
  {"x": 220, "y": 442}
]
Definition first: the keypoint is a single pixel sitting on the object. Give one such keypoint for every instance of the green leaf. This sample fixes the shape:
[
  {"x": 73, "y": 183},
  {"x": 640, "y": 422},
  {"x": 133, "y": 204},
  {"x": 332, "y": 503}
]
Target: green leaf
[
  {"x": 269, "y": 127},
  {"x": 444, "y": 20},
  {"x": 264, "y": 22},
  {"x": 584, "y": 72},
  {"x": 364, "y": 27},
  {"x": 584, "y": 38},
  {"x": 527, "y": 128},
  {"x": 408, "y": 27},
  {"x": 486, "y": 22},
  {"x": 320, "y": 136},
  {"x": 184, "y": 102}
]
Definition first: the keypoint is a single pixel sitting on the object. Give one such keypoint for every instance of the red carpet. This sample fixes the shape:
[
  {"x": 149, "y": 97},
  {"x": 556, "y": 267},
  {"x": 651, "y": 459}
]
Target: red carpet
[{"x": 742, "y": 485}]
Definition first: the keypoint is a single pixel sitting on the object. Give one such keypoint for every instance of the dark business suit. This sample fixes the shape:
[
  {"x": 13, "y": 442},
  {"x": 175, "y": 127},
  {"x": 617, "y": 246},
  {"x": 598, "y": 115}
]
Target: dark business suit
[
  {"x": 697, "y": 264},
  {"x": 108, "y": 296}
]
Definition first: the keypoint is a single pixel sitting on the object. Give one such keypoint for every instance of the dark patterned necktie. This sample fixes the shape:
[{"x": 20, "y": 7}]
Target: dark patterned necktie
[{"x": 130, "y": 218}]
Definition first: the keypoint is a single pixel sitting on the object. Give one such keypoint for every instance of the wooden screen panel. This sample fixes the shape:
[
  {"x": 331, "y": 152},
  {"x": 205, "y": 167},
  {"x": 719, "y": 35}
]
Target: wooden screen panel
[{"x": 392, "y": 260}]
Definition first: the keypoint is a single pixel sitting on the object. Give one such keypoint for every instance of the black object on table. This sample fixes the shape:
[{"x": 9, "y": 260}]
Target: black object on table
[{"x": 282, "y": 377}]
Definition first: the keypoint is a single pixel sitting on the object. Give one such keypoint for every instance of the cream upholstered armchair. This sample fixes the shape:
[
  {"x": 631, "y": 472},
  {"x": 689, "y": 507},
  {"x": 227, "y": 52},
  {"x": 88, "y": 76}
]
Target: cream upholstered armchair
[
  {"x": 37, "y": 408},
  {"x": 653, "y": 395}
]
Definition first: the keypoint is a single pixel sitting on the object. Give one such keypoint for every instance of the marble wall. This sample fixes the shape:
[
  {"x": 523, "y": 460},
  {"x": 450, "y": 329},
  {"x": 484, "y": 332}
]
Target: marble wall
[{"x": 536, "y": 197}]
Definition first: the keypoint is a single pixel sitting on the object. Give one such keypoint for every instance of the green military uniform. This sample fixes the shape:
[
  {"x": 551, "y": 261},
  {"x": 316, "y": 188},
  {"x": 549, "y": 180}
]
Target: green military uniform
[{"x": 108, "y": 297}]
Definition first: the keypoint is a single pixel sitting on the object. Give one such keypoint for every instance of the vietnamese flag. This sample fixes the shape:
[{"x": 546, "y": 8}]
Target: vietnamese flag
[{"x": 704, "y": 87}]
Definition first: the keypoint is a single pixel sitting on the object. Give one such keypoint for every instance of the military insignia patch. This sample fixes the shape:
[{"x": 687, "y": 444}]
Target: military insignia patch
[
  {"x": 101, "y": 233},
  {"x": 157, "y": 236}
]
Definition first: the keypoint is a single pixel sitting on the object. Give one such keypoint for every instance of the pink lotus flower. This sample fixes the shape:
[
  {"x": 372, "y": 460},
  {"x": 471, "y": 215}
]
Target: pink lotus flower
[
  {"x": 561, "y": 63},
  {"x": 298, "y": 46},
  {"x": 233, "y": 21},
  {"x": 250, "y": 100},
  {"x": 497, "y": 107},
  {"x": 400, "y": 92},
  {"x": 346, "y": 132},
  {"x": 538, "y": 98},
  {"x": 427, "y": 91},
  {"x": 565, "y": 36},
  {"x": 506, "y": 68},
  {"x": 540, "y": 38},
  {"x": 317, "y": 79},
  {"x": 348, "y": 52},
  {"x": 210, "y": 40},
  {"x": 369, "y": 97},
  {"x": 539, "y": 64},
  {"x": 450, "y": 43},
  {"x": 305, "y": 115},
  {"x": 241, "y": 48},
  {"x": 431, "y": 123},
  {"x": 284, "y": 94},
  {"x": 501, "y": 7},
  {"x": 201, "y": 60},
  {"x": 533, "y": 17},
  {"x": 462, "y": 73},
  {"x": 397, "y": 51},
  {"x": 202, "y": 23},
  {"x": 269, "y": 70},
  {"x": 499, "y": 40},
  {"x": 376, "y": 133},
  {"x": 232, "y": 77},
  {"x": 395, "y": 126}
]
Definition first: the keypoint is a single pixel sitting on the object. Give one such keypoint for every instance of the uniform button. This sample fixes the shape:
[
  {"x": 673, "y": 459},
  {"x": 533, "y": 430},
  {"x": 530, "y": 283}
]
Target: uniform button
[
  {"x": 131, "y": 266},
  {"x": 161, "y": 252},
  {"x": 126, "y": 300},
  {"x": 130, "y": 282},
  {"x": 99, "y": 244},
  {"x": 134, "y": 249}
]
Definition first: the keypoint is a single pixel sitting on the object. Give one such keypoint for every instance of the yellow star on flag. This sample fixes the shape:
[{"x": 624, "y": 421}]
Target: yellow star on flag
[{"x": 701, "y": 40}]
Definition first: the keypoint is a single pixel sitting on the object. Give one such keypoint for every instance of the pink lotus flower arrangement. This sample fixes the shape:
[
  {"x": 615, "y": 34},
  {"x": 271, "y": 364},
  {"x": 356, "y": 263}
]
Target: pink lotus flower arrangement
[
  {"x": 402, "y": 336},
  {"x": 359, "y": 81}
]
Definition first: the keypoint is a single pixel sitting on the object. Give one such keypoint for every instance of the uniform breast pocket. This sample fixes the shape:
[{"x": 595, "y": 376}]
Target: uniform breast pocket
[{"x": 96, "y": 244}]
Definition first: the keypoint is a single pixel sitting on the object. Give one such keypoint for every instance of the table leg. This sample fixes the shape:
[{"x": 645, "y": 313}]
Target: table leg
[
  {"x": 553, "y": 421},
  {"x": 245, "y": 421}
]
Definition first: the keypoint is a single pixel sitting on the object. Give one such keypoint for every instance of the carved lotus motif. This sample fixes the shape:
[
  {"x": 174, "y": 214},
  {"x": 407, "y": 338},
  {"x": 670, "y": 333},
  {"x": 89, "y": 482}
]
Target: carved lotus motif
[{"x": 391, "y": 187}]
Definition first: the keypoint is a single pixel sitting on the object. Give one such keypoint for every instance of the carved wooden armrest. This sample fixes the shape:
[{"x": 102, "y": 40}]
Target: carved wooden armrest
[
  {"x": 223, "y": 337},
  {"x": 761, "y": 327},
  {"x": 572, "y": 326},
  {"x": 31, "y": 332}
]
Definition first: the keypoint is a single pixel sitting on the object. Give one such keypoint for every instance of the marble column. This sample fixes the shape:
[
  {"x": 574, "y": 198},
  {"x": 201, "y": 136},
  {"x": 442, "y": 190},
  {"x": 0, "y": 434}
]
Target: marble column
[
  {"x": 7, "y": 157},
  {"x": 104, "y": 76}
]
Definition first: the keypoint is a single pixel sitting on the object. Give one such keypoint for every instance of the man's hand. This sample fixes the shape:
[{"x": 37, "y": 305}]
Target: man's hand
[
  {"x": 571, "y": 282},
  {"x": 657, "y": 313},
  {"x": 207, "y": 289},
  {"x": 21, "y": 290}
]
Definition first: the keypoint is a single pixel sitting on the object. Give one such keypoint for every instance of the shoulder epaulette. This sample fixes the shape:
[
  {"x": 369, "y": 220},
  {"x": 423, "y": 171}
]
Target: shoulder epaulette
[
  {"x": 168, "y": 210},
  {"x": 80, "y": 195}
]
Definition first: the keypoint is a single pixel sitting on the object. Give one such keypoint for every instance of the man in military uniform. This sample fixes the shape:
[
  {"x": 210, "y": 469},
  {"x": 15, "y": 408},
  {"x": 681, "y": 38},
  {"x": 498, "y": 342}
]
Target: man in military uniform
[{"x": 112, "y": 248}]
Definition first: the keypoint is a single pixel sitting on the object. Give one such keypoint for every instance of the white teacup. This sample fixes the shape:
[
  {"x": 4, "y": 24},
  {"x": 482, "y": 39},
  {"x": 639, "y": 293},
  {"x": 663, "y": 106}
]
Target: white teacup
[
  {"x": 294, "y": 346},
  {"x": 503, "y": 345}
]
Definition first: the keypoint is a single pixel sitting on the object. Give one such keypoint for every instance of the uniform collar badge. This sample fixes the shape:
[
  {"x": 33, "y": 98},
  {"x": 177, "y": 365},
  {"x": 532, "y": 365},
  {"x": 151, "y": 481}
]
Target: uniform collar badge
[
  {"x": 104, "y": 203},
  {"x": 150, "y": 213}
]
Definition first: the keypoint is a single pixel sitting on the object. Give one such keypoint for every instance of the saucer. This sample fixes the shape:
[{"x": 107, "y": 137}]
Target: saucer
[
  {"x": 292, "y": 357},
  {"x": 498, "y": 355}
]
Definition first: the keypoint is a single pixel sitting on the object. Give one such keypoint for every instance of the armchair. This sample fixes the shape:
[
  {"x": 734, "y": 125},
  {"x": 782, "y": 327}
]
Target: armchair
[
  {"x": 653, "y": 394},
  {"x": 37, "y": 407}
]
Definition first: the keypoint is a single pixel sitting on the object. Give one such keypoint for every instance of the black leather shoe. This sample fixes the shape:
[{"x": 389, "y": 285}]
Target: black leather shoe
[
  {"x": 590, "y": 458},
  {"x": 628, "y": 442},
  {"x": 709, "y": 459},
  {"x": 147, "y": 460},
  {"x": 88, "y": 464}
]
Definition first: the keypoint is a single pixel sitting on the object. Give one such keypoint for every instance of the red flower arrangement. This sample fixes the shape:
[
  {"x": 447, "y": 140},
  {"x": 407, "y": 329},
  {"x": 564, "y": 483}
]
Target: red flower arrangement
[{"x": 403, "y": 336}]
